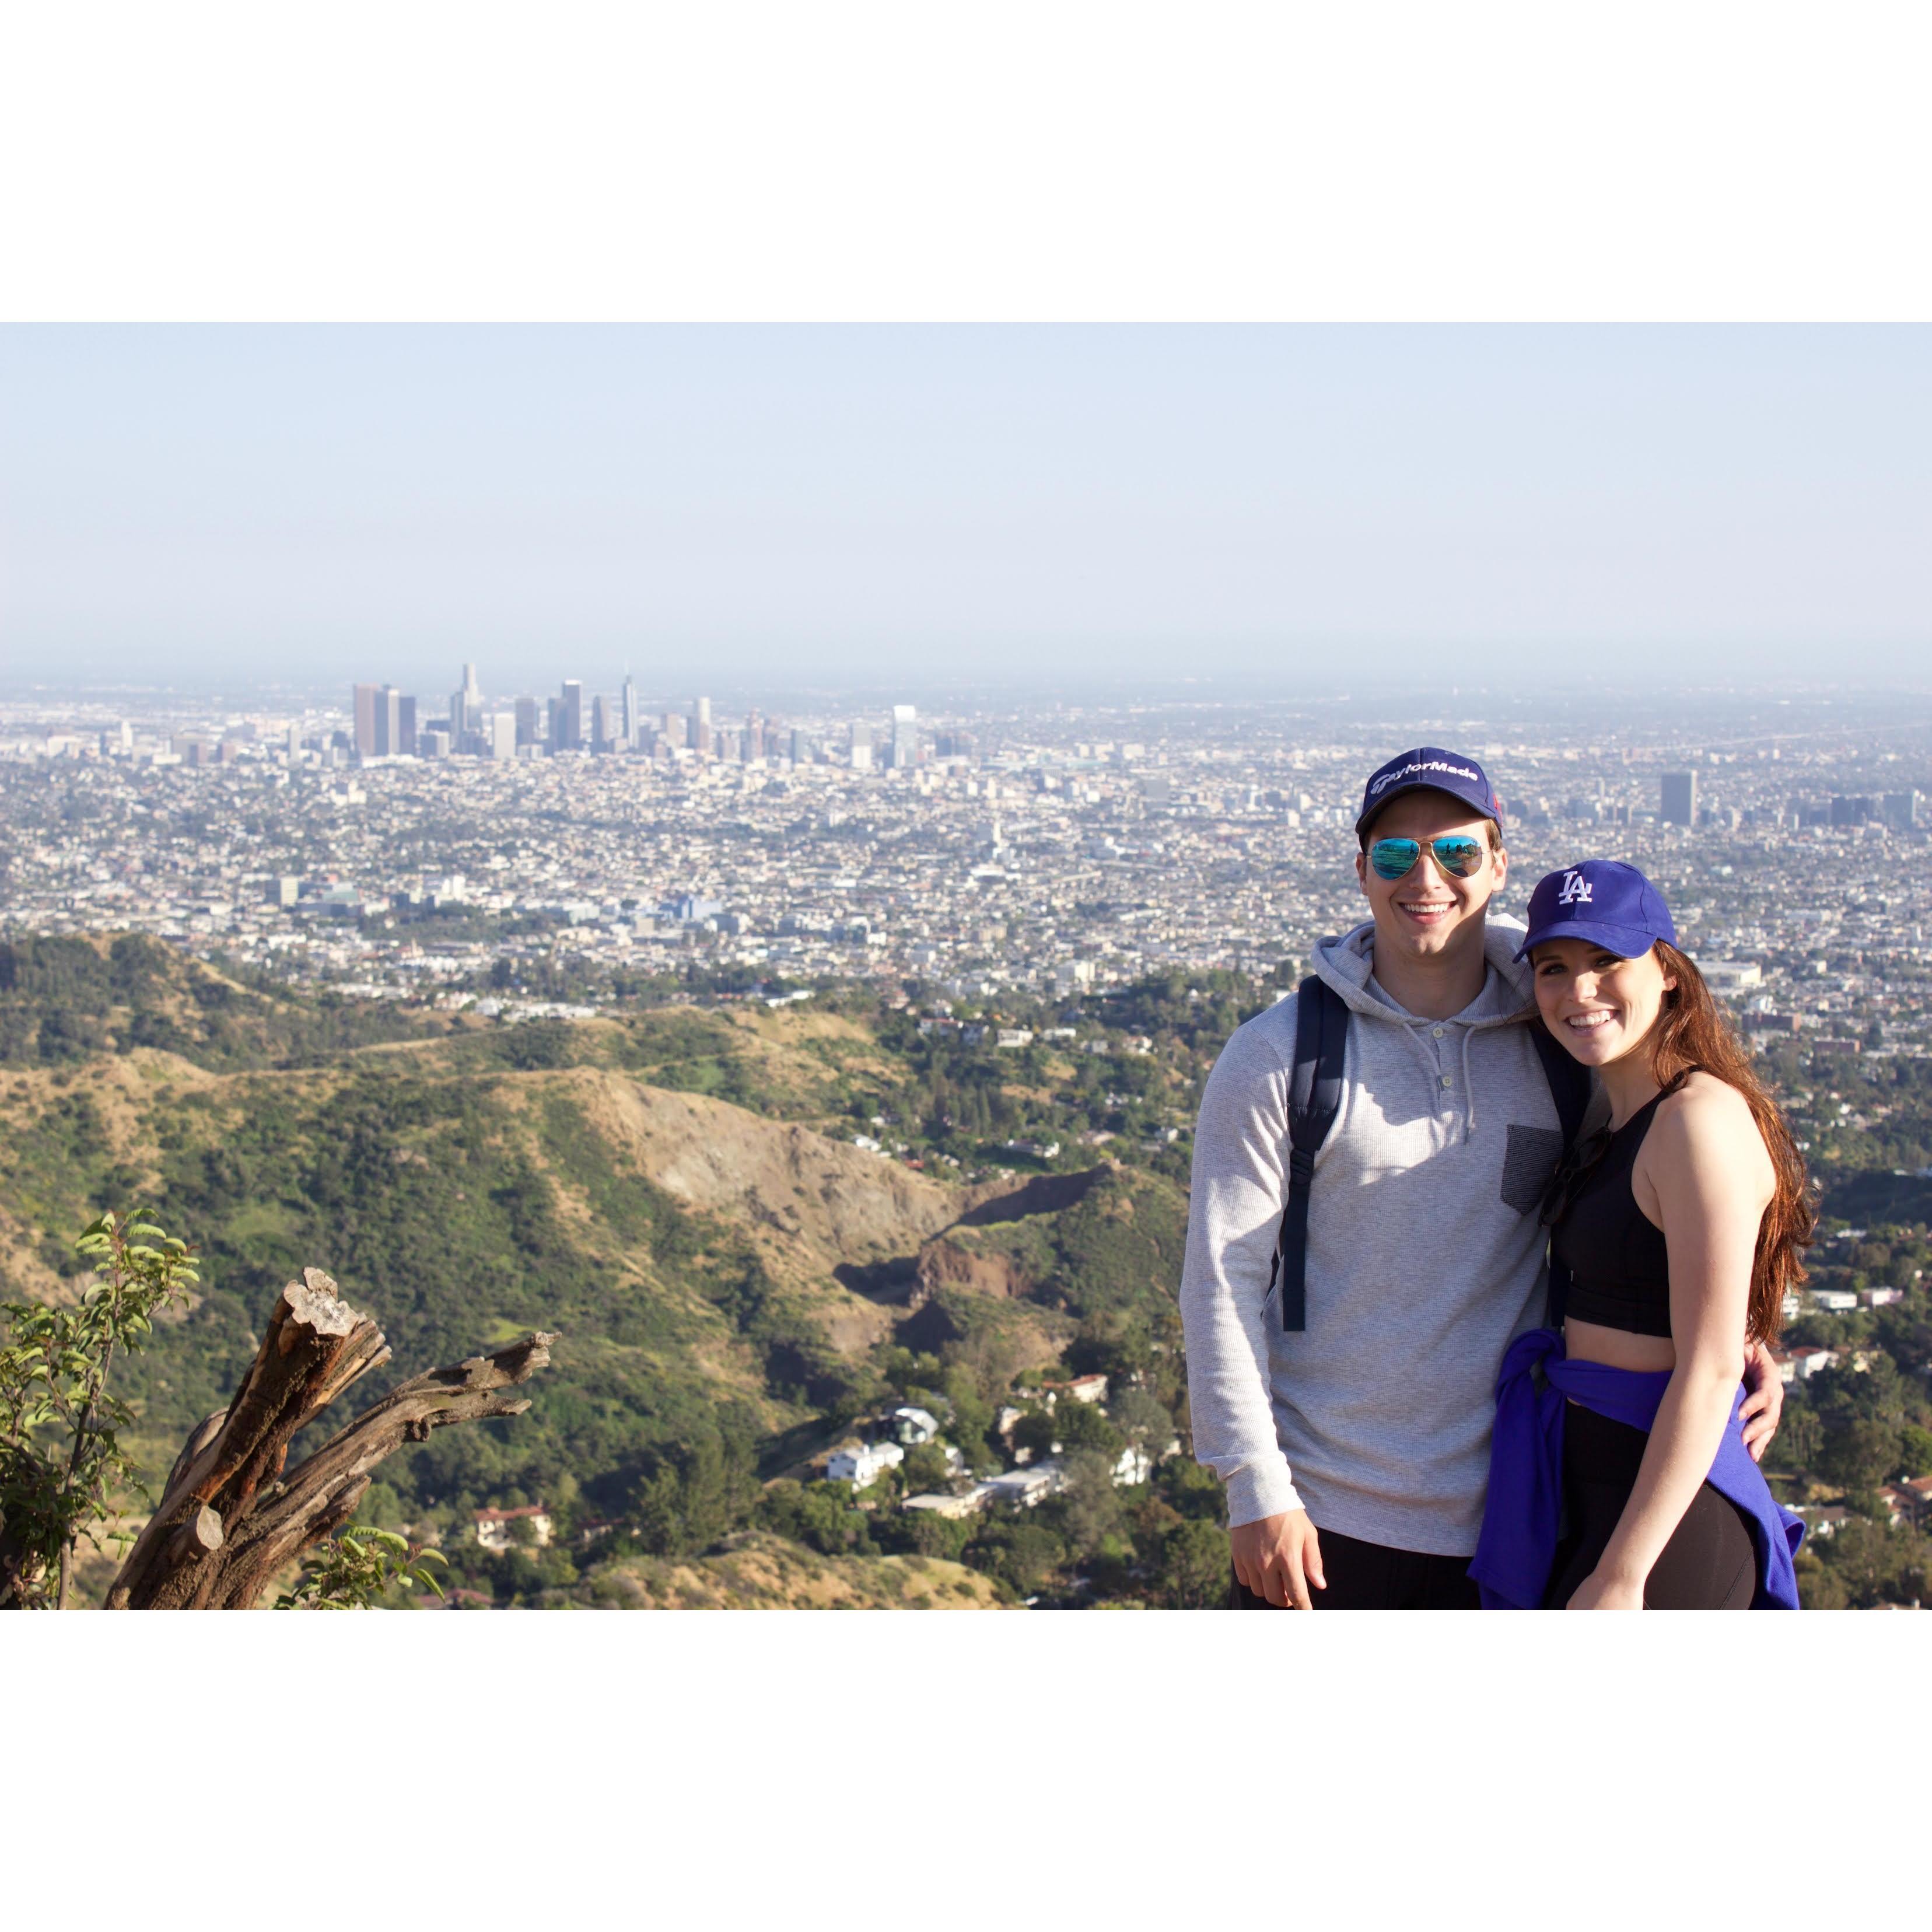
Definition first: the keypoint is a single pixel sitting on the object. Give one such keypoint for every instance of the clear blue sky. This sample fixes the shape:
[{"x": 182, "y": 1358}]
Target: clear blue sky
[{"x": 1285, "y": 506}]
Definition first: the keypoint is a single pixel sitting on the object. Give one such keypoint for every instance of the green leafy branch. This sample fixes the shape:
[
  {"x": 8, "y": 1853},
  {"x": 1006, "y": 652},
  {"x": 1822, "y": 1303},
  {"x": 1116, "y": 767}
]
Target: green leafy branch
[
  {"x": 60, "y": 1457},
  {"x": 356, "y": 1571}
]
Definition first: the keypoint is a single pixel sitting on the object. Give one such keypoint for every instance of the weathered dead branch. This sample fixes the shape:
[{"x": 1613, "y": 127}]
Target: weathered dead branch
[{"x": 229, "y": 1517}]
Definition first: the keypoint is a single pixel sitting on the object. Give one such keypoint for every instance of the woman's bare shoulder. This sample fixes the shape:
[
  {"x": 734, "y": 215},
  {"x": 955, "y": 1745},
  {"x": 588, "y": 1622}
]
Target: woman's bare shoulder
[{"x": 1705, "y": 1111}]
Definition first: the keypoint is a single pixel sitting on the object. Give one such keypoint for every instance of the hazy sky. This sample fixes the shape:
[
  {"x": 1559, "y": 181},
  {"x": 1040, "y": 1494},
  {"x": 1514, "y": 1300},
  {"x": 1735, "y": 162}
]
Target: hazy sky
[{"x": 1286, "y": 506}]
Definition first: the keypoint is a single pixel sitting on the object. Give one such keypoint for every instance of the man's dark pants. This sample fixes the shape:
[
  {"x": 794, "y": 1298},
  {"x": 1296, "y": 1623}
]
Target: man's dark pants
[{"x": 1368, "y": 1576}]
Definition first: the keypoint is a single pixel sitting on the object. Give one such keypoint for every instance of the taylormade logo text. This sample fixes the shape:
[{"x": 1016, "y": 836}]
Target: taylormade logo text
[{"x": 1388, "y": 779}]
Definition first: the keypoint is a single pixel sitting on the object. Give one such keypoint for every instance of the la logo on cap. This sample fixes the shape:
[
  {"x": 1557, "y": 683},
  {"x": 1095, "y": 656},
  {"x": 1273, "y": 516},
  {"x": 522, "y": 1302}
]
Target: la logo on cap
[{"x": 1575, "y": 890}]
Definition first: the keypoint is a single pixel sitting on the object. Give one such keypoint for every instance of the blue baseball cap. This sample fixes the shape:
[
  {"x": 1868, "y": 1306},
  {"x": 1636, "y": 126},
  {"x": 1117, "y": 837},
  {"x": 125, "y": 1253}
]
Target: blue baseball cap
[
  {"x": 1611, "y": 904},
  {"x": 1429, "y": 768}
]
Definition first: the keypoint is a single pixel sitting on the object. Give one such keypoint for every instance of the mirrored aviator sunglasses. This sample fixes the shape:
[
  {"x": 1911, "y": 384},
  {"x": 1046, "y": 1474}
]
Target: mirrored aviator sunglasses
[{"x": 1459, "y": 856}]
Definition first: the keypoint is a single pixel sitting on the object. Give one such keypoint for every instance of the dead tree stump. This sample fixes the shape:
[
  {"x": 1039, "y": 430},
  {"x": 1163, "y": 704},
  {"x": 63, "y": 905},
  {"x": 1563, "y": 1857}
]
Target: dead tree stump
[{"x": 229, "y": 1517}]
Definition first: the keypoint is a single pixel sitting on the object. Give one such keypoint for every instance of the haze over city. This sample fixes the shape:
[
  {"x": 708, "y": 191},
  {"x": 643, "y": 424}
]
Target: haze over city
[{"x": 1268, "y": 509}]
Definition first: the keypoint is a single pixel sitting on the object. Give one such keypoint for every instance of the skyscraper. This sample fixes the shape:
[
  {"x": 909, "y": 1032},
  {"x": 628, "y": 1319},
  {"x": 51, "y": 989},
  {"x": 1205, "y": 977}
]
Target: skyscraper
[
  {"x": 701, "y": 726},
  {"x": 905, "y": 737},
  {"x": 466, "y": 705},
  {"x": 628, "y": 720},
  {"x": 366, "y": 697},
  {"x": 405, "y": 723},
  {"x": 570, "y": 719},
  {"x": 602, "y": 720},
  {"x": 1679, "y": 804},
  {"x": 527, "y": 732}
]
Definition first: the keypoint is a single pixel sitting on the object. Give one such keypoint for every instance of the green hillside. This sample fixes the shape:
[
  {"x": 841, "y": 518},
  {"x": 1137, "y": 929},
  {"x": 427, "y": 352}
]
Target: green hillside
[
  {"x": 674, "y": 1190},
  {"x": 740, "y": 1285}
]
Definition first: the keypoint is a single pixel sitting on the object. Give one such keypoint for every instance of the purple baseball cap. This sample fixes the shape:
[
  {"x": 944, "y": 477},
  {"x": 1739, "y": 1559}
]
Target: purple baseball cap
[
  {"x": 1609, "y": 903},
  {"x": 1429, "y": 768}
]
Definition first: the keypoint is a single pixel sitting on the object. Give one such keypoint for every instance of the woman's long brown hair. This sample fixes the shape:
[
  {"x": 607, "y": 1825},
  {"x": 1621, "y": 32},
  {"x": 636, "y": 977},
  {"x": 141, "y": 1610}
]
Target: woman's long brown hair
[{"x": 1691, "y": 1034}]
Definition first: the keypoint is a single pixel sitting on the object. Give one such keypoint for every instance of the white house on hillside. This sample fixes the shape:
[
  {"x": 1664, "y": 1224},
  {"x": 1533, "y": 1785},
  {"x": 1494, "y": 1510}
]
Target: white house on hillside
[
  {"x": 913, "y": 1427},
  {"x": 1801, "y": 1364},
  {"x": 860, "y": 1464},
  {"x": 1031, "y": 1485},
  {"x": 970, "y": 1503},
  {"x": 495, "y": 1527}
]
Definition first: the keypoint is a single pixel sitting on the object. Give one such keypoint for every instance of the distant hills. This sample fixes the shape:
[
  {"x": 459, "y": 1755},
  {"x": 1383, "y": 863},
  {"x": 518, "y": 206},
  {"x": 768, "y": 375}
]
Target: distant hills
[{"x": 675, "y": 1190}]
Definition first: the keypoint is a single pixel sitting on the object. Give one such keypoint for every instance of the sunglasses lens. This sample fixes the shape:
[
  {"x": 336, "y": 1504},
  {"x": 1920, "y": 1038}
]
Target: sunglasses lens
[
  {"x": 1392, "y": 857},
  {"x": 1458, "y": 857}
]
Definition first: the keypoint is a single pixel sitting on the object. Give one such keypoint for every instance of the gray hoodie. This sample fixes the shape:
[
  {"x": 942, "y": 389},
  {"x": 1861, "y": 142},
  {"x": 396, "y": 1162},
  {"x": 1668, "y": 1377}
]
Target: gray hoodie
[{"x": 1426, "y": 1258}]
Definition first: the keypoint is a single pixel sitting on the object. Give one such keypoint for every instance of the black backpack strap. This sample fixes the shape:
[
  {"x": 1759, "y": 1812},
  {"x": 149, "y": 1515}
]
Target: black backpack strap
[
  {"x": 1569, "y": 1088},
  {"x": 1314, "y": 1099}
]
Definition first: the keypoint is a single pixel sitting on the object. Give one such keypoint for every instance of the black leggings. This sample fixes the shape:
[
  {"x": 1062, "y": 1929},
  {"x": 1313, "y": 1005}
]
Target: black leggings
[{"x": 1710, "y": 1562}]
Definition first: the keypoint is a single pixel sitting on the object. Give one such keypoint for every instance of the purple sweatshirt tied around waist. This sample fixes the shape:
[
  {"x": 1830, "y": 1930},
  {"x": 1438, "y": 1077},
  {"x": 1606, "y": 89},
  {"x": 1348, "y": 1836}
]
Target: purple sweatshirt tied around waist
[{"x": 1516, "y": 1549}]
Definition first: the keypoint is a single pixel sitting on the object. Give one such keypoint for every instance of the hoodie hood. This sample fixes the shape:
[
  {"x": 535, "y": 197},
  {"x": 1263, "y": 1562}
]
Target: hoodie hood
[{"x": 1346, "y": 963}]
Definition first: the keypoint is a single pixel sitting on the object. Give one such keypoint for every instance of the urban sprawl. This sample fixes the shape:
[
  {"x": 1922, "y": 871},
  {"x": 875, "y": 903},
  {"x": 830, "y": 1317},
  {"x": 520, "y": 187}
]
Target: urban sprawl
[{"x": 1017, "y": 850}]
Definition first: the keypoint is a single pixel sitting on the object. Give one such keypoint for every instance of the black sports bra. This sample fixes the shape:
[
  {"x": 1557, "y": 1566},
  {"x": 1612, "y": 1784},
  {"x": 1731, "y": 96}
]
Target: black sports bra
[{"x": 1619, "y": 1267}]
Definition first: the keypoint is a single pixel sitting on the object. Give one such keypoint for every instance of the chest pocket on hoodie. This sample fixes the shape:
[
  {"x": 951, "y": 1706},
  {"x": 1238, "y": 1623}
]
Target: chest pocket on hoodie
[{"x": 1529, "y": 1160}]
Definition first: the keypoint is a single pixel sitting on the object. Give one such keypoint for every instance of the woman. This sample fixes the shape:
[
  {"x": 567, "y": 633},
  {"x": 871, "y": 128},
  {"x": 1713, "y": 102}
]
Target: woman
[{"x": 1676, "y": 1236}]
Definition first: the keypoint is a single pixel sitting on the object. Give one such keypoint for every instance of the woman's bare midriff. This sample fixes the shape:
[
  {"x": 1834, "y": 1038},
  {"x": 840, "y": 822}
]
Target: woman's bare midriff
[{"x": 1617, "y": 1348}]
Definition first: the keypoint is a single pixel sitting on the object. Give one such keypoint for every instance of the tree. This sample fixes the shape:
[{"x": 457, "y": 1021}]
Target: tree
[
  {"x": 230, "y": 1516},
  {"x": 1800, "y": 1436},
  {"x": 359, "y": 1568},
  {"x": 1872, "y": 1565},
  {"x": 61, "y": 1456},
  {"x": 1193, "y": 1490},
  {"x": 1859, "y": 1454},
  {"x": 1144, "y": 1420},
  {"x": 1089, "y": 1508},
  {"x": 1019, "y": 1552},
  {"x": 1915, "y": 1451},
  {"x": 1862, "y": 1414},
  {"x": 1194, "y": 1565},
  {"x": 1082, "y": 1425},
  {"x": 925, "y": 1469}
]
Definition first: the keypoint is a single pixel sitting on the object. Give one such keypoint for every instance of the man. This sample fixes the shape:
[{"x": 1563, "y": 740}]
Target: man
[{"x": 1354, "y": 1445}]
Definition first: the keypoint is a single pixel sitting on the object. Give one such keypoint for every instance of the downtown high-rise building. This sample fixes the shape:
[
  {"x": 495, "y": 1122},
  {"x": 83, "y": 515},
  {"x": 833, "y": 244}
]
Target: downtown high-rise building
[
  {"x": 529, "y": 726},
  {"x": 629, "y": 721},
  {"x": 701, "y": 726},
  {"x": 1678, "y": 804},
  {"x": 905, "y": 737},
  {"x": 603, "y": 725},
  {"x": 569, "y": 736},
  {"x": 466, "y": 705},
  {"x": 385, "y": 722}
]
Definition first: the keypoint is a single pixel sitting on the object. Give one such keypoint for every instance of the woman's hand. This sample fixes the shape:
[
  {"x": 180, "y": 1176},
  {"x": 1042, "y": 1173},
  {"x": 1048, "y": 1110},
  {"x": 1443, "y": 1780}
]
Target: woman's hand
[
  {"x": 1598, "y": 1591},
  {"x": 1764, "y": 1399}
]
